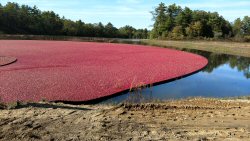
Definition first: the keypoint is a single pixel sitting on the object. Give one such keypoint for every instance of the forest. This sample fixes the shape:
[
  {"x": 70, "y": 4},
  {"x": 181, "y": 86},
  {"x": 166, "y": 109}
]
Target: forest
[
  {"x": 170, "y": 22},
  {"x": 175, "y": 22},
  {"x": 23, "y": 19}
]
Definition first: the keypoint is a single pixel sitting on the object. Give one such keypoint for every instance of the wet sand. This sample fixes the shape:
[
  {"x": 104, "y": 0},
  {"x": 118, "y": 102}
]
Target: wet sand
[{"x": 191, "y": 119}]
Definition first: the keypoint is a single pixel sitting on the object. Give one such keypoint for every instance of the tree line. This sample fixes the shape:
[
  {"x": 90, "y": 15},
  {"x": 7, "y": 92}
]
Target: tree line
[
  {"x": 170, "y": 22},
  {"x": 23, "y": 19},
  {"x": 175, "y": 22}
]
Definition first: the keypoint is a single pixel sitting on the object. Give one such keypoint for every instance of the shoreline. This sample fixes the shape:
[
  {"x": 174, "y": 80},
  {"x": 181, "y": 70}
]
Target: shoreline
[{"x": 215, "y": 46}]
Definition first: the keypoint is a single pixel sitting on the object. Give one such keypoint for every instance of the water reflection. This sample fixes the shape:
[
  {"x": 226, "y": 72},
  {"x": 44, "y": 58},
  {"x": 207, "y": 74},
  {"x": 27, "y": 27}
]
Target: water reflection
[
  {"x": 216, "y": 60},
  {"x": 224, "y": 76}
]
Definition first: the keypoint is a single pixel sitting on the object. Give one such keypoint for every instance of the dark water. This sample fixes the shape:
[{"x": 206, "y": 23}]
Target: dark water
[{"x": 225, "y": 76}]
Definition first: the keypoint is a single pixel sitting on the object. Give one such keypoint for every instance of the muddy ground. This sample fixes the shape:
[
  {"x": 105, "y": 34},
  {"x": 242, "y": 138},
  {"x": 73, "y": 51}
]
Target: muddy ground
[{"x": 191, "y": 119}]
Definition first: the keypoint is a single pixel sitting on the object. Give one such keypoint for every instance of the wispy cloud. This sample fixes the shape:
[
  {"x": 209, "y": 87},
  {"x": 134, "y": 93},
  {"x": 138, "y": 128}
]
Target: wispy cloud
[
  {"x": 129, "y": 1},
  {"x": 217, "y": 4}
]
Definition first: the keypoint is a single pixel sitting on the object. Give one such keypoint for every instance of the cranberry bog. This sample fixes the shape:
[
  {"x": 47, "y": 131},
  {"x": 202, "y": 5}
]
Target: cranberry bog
[
  {"x": 6, "y": 60},
  {"x": 85, "y": 71}
]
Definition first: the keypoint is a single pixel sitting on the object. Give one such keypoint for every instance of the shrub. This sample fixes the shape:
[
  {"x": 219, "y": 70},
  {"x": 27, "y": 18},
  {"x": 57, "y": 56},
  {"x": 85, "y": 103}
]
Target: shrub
[
  {"x": 247, "y": 38},
  {"x": 218, "y": 35},
  {"x": 177, "y": 32}
]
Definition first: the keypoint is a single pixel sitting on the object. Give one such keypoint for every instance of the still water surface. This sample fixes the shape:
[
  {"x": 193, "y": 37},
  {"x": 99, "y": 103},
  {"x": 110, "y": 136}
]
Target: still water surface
[{"x": 225, "y": 76}]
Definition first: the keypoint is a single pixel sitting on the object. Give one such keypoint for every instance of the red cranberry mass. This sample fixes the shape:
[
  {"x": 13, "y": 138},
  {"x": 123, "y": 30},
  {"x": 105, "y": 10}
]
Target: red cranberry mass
[{"x": 83, "y": 71}]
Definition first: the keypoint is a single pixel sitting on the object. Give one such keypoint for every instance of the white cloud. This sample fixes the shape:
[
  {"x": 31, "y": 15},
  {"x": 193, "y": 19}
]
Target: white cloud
[
  {"x": 230, "y": 10},
  {"x": 217, "y": 4},
  {"x": 231, "y": 15},
  {"x": 129, "y": 1}
]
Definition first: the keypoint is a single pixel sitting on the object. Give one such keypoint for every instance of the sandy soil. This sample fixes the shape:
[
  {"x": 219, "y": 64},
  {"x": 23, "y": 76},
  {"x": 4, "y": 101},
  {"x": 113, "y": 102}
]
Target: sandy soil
[{"x": 193, "y": 119}]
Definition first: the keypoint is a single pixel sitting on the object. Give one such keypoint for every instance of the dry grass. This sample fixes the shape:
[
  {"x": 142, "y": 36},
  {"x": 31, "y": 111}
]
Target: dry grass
[{"x": 233, "y": 48}]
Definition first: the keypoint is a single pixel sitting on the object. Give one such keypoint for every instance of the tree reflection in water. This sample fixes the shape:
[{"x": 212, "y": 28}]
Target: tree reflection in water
[{"x": 215, "y": 60}]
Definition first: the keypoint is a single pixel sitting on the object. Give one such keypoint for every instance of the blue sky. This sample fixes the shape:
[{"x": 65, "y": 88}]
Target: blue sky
[{"x": 132, "y": 12}]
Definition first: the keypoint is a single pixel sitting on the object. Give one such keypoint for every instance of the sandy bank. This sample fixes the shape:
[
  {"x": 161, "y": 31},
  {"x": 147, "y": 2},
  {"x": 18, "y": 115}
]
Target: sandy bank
[{"x": 195, "y": 119}]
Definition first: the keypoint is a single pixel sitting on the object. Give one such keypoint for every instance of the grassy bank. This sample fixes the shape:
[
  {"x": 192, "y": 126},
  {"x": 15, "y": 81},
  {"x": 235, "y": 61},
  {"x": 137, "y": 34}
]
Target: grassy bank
[{"x": 233, "y": 48}]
